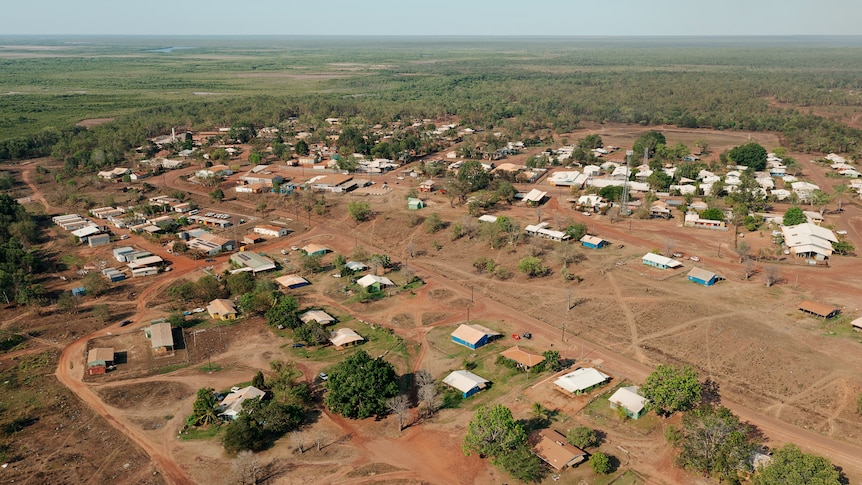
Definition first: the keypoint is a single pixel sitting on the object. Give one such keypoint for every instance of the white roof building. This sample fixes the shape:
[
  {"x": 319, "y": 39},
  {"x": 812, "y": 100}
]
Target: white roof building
[
  {"x": 231, "y": 405},
  {"x": 629, "y": 398},
  {"x": 809, "y": 240},
  {"x": 581, "y": 380},
  {"x": 371, "y": 279},
  {"x": 344, "y": 336},
  {"x": 661, "y": 261},
  {"x": 465, "y": 381}
]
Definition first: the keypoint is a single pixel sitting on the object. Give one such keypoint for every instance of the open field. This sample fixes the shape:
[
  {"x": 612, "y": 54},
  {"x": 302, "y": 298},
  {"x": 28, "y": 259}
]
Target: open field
[{"x": 794, "y": 376}]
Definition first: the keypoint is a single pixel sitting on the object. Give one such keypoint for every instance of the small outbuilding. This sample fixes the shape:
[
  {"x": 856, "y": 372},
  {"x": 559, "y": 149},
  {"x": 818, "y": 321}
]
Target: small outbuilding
[
  {"x": 292, "y": 281},
  {"x": 374, "y": 282},
  {"x": 628, "y": 398},
  {"x": 415, "y": 204},
  {"x": 99, "y": 359},
  {"x": 703, "y": 277},
  {"x": 315, "y": 250},
  {"x": 818, "y": 309},
  {"x": 161, "y": 336},
  {"x": 221, "y": 309},
  {"x": 856, "y": 324},
  {"x": 318, "y": 316},
  {"x": 473, "y": 336},
  {"x": 593, "y": 242},
  {"x": 553, "y": 448},
  {"x": 466, "y": 382},
  {"x": 255, "y": 262}
]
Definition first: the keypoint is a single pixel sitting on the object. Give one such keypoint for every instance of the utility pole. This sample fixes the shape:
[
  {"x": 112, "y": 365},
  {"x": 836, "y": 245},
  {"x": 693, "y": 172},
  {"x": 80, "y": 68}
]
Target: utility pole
[{"x": 624, "y": 210}]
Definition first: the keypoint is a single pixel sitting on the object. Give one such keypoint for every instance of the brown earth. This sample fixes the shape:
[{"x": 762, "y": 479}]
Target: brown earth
[{"x": 784, "y": 372}]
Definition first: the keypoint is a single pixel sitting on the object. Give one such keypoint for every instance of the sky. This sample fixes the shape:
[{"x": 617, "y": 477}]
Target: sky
[{"x": 434, "y": 17}]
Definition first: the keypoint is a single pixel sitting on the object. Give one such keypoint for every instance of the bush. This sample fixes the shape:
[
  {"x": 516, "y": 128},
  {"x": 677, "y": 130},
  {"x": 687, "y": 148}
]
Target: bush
[
  {"x": 600, "y": 463},
  {"x": 532, "y": 267},
  {"x": 582, "y": 437},
  {"x": 359, "y": 211}
]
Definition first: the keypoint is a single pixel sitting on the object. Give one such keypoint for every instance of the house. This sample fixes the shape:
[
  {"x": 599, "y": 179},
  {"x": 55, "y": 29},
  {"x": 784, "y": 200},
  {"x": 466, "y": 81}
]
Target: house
[
  {"x": 592, "y": 202},
  {"x": 659, "y": 211},
  {"x": 488, "y": 218},
  {"x": 567, "y": 179},
  {"x": 809, "y": 240},
  {"x": 116, "y": 173},
  {"x": 553, "y": 448},
  {"x": 593, "y": 242},
  {"x": 543, "y": 231},
  {"x": 355, "y": 266},
  {"x": 99, "y": 359},
  {"x": 473, "y": 336},
  {"x": 343, "y": 337},
  {"x": 318, "y": 316},
  {"x": 856, "y": 324},
  {"x": 214, "y": 171},
  {"x": 221, "y": 309},
  {"x": 292, "y": 281},
  {"x": 466, "y": 382},
  {"x": 703, "y": 277},
  {"x": 269, "y": 230},
  {"x": 628, "y": 398},
  {"x": 255, "y": 262},
  {"x": 524, "y": 359},
  {"x": 580, "y": 381},
  {"x": 315, "y": 249},
  {"x": 374, "y": 282},
  {"x": 161, "y": 336},
  {"x": 659, "y": 261},
  {"x": 818, "y": 309},
  {"x": 231, "y": 405},
  {"x": 426, "y": 186},
  {"x": 250, "y": 240},
  {"x": 414, "y": 204},
  {"x": 210, "y": 221}
]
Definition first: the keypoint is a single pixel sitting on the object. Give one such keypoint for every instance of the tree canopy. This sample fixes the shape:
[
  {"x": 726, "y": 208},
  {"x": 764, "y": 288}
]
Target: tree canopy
[
  {"x": 713, "y": 214},
  {"x": 751, "y": 155},
  {"x": 650, "y": 141},
  {"x": 493, "y": 432},
  {"x": 474, "y": 174},
  {"x": 790, "y": 466},
  {"x": 671, "y": 388},
  {"x": 794, "y": 216},
  {"x": 714, "y": 441},
  {"x": 359, "y": 386}
]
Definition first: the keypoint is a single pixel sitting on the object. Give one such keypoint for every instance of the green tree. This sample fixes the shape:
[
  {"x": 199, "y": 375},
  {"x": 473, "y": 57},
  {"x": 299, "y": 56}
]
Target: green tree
[
  {"x": 359, "y": 386},
  {"x": 474, "y": 174},
  {"x": 659, "y": 181},
  {"x": 359, "y": 211},
  {"x": 713, "y": 214},
  {"x": 532, "y": 267},
  {"x": 523, "y": 465},
  {"x": 671, "y": 388},
  {"x": 582, "y": 437},
  {"x": 203, "y": 409},
  {"x": 612, "y": 192},
  {"x": 650, "y": 141},
  {"x": 301, "y": 148},
  {"x": 217, "y": 195},
  {"x": 750, "y": 155},
  {"x": 240, "y": 283},
  {"x": 258, "y": 381},
  {"x": 95, "y": 284},
  {"x": 101, "y": 312},
  {"x": 794, "y": 216},
  {"x": 600, "y": 463},
  {"x": 843, "y": 247},
  {"x": 284, "y": 313},
  {"x": 493, "y": 432},
  {"x": 590, "y": 142},
  {"x": 243, "y": 433},
  {"x": 716, "y": 442},
  {"x": 310, "y": 263},
  {"x": 789, "y": 466},
  {"x": 576, "y": 231}
]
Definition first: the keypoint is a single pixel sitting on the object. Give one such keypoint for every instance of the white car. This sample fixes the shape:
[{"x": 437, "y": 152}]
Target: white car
[
  {"x": 841, "y": 232},
  {"x": 587, "y": 214},
  {"x": 198, "y": 310},
  {"x": 694, "y": 258}
]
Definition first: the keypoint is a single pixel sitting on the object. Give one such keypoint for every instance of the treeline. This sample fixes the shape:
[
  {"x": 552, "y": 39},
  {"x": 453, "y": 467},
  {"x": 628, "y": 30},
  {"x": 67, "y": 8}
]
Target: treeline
[{"x": 17, "y": 262}]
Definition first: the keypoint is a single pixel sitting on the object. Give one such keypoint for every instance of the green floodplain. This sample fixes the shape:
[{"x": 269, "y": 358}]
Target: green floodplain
[{"x": 807, "y": 88}]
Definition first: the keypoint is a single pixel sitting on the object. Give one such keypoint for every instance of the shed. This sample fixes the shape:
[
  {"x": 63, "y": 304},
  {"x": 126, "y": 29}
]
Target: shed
[
  {"x": 98, "y": 240},
  {"x": 659, "y": 261},
  {"x": 79, "y": 291},
  {"x": 315, "y": 249},
  {"x": 343, "y": 337},
  {"x": 524, "y": 359},
  {"x": 473, "y": 336},
  {"x": 856, "y": 324},
  {"x": 819, "y": 309},
  {"x": 551, "y": 446},
  {"x": 99, "y": 359},
  {"x": 466, "y": 382},
  {"x": 593, "y": 242},
  {"x": 703, "y": 277},
  {"x": 580, "y": 380},
  {"x": 161, "y": 336},
  {"x": 414, "y": 204},
  {"x": 534, "y": 197},
  {"x": 628, "y": 397},
  {"x": 254, "y": 261}
]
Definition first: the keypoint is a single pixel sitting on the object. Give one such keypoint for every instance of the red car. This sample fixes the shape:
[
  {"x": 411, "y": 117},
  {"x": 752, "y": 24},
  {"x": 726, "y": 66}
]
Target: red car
[{"x": 516, "y": 336}]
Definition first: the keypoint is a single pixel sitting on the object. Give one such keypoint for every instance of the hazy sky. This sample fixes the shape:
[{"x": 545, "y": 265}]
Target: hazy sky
[{"x": 433, "y": 17}]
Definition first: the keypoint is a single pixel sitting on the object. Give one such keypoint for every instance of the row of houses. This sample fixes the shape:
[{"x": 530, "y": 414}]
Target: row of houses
[{"x": 85, "y": 230}]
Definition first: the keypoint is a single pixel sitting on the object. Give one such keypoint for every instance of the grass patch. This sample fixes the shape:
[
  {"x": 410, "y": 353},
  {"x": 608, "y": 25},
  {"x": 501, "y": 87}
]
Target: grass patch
[
  {"x": 167, "y": 369},
  {"x": 210, "y": 367},
  {"x": 600, "y": 413},
  {"x": 193, "y": 433}
]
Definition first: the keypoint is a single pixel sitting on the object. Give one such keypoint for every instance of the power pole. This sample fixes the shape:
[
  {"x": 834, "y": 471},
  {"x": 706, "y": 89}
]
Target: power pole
[{"x": 624, "y": 210}]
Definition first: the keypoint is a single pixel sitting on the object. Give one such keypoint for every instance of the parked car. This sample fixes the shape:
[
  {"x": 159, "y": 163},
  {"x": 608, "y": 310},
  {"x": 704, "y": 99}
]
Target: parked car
[
  {"x": 125, "y": 322},
  {"x": 124, "y": 237},
  {"x": 298, "y": 345},
  {"x": 516, "y": 336},
  {"x": 323, "y": 376},
  {"x": 694, "y": 258},
  {"x": 587, "y": 214},
  {"x": 187, "y": 313},
  {"x": 284, "y": 251},
  {"x": 677, "y": 255},
  {"x": 841, "y": 232},
  {"x": 210, "y": 260},
  {"x": 198, "y": 310},
  {"x": 294, "y": 248},
  {"x": 528, "y": 335}
]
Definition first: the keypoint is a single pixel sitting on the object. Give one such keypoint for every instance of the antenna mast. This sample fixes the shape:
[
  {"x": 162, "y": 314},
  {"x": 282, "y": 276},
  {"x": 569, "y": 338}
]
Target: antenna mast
[{"x": 624, "y": 210}]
